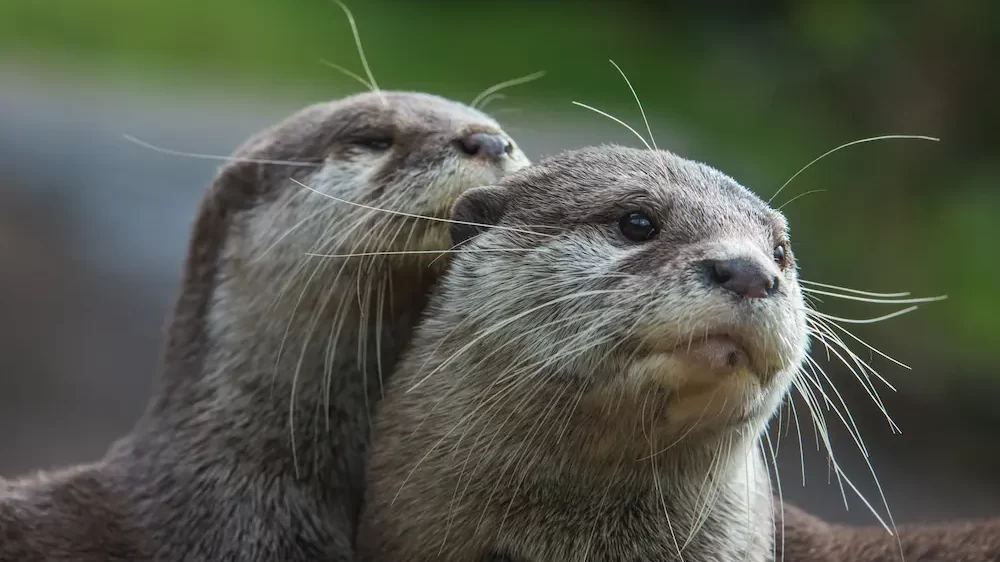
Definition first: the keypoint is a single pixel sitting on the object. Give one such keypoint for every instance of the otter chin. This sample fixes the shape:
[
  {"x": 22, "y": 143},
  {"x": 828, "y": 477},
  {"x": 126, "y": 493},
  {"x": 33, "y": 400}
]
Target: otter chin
[{"x": 718, "y": 353}]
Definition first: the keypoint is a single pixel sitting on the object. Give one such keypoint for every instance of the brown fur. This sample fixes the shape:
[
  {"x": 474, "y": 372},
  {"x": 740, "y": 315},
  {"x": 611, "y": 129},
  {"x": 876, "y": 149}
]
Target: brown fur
[
  {"x": 253, "y": 447},
  {"x": 809, "y": 539}
]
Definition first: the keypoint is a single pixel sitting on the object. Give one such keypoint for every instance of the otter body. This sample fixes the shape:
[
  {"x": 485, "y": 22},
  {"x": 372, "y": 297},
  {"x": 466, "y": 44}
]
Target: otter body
[
  {"x": 806, "y": 538},
  {"x": 253, "y": 447},
  {"x": 590, "y": 383}
]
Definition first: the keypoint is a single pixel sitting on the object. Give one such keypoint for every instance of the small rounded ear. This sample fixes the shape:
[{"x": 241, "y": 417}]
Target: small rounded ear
[{"x": 476, "y": 210}]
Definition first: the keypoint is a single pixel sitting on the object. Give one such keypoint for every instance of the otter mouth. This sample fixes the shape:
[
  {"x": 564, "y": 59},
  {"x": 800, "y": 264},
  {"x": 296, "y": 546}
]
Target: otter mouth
[{"x": 721, "y": 351}]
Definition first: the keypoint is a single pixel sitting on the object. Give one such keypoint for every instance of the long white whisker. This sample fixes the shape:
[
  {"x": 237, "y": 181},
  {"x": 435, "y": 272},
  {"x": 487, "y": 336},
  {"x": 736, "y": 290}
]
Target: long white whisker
[
  {"x": 799, "y": 196},
  {"x": 864, "y": 320},
  {"x": 505, "y": 84},
  {"x": 505, "y": 322},
  {"x": 411, "y": 215},
  {"x": 616, "y": 120},
  {"x": 418, "y": 252},
  {"x": 876, "y": 300},
  {"x": 821, "y": 327},
  {"x": 153, "y": 147},
  {"x": 855, "y": 291},
  {"x": 843, "y": 146},
  {"x": 864, "y": 343},
  {"x": 361, "y": 50},
  {"x": 349, "y": 73},
  {"x": 637, "y": 102}
]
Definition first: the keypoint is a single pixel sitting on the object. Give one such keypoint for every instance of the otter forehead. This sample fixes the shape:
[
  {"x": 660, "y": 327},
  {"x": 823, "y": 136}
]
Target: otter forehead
[
  {"x": 405, "y": 117},
  {"x": 596, "y": 184}
]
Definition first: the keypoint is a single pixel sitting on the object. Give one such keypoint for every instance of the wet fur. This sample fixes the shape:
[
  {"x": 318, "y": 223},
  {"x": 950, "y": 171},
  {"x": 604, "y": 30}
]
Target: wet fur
[
  {"x": 216, "y": 469},
  {"x": 490, "y": 444}
]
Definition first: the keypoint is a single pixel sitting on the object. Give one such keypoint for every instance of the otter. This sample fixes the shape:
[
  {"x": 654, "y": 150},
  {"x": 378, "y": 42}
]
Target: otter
[
  {"x": 590, "y": 380},
  {"x": 309, "y": 263},
  {"x": 593, "y": 374},
  {"x": 806, "y": 538}
]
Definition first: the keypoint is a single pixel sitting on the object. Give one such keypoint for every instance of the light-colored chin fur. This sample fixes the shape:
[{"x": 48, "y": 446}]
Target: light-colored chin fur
[{"x": 708, "y": 399}]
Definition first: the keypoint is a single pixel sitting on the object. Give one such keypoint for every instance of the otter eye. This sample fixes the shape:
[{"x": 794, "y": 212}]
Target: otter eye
[
  {"x": 377, "y": 143},
  {"x": 779, "y": 254},
  {"x": 637, "y": 227}
]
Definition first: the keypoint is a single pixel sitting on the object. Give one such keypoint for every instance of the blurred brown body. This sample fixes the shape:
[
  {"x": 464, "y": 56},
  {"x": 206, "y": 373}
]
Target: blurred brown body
[{"x": 809, "y": 539}]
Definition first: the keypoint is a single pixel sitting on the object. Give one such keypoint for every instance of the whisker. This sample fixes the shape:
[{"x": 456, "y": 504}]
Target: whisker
[
  {"x": 616, "y": 120},
  {"x": 843, "y": 146},
  {"x": 822, "y": 327},
  {"x": 799, "y": 196},
  {"x": 864, "y": 320},
  {"x": 505, "y": 84},
  {"x": 876, "y": 300},
  {"x": 637, "y": 102},
  {"x": 855, "y": 291},
  {"x": 505, "y": 322},
  {"x": 843, "y": 477},
  {"x": 777, "y": 480},
  {"x": 411, "y": 215},
  {"x": 170, "y": 152},
  {"x": 349, "y": 73},
  {"x": 419, "y": 252},
  {"x": 361, "y": 50},
  {"x": 486, "y": 101},
  {"x": 864, "y": 343}
]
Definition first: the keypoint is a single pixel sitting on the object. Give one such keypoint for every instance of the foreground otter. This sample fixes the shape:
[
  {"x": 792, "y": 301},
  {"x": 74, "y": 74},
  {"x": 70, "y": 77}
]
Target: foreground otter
[
  {"x": 590, "y": 383},
  {"x": 253, "y": 446}
]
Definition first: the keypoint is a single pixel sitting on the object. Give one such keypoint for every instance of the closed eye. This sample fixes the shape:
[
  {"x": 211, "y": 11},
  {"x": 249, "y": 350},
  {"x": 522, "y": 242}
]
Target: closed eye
[{"x": 373, "y": 141}]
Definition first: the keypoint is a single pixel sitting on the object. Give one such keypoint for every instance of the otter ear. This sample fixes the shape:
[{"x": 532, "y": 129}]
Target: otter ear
[{"x": 477, "y": 209}]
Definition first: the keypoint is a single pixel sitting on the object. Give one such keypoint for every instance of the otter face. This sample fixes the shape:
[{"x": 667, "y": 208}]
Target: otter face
[
  {"x": 410, "y": 154},
  {"x": 648, "y": 276}
]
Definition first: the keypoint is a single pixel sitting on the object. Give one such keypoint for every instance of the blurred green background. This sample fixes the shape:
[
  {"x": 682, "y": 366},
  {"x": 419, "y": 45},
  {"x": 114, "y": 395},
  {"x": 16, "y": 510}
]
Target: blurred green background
[{"x": 757, "y": 91}]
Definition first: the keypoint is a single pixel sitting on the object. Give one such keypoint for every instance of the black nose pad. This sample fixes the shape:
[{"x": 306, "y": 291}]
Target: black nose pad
[
  {"x": 485, "y": 144},
  {"x": 744, "y": 277}
]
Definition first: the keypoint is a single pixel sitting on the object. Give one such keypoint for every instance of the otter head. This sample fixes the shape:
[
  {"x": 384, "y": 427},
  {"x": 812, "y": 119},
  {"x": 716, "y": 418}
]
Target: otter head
[
  {"x": 379, "y": 163},
  {"x": 650, "y": 280},
  {"x": 615, "y": 331},
  {"x": 314, "y": 216}
]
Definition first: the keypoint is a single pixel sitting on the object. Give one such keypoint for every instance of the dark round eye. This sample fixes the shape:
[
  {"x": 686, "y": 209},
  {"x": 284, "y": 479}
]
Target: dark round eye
[
  {"x": 637, "y": 227},
  {"x": 779, "y": 254},
  {"x": 375, "y": 143}
]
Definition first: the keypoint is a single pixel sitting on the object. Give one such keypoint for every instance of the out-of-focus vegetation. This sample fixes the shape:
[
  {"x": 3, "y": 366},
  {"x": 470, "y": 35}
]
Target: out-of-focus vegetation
[{"x": 758, "y": 91}]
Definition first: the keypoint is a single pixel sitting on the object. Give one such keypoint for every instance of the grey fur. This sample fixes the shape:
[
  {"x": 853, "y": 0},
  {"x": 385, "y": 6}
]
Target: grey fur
[
  {"x": 214, "y": 469},
  {"x": 522, "y": 422}
]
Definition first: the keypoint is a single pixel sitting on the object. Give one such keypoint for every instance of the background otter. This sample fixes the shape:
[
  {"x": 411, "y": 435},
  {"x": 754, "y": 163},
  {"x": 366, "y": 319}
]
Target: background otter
[
  {"x": 594, "y": 390},
  {"x": 806, "y": 538},
  {"x": 253, "y": 446}
]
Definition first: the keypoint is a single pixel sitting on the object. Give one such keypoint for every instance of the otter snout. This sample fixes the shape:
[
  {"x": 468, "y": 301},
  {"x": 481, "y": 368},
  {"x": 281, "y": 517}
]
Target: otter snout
[
  {"x": 743, "y": 277},
  {"x": 485, "y": 145}
]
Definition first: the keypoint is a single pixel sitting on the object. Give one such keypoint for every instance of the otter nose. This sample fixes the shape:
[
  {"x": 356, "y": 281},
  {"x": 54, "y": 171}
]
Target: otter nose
[
  {"x": 485, "y": 144},
  {"x": 744, "y": 277}
]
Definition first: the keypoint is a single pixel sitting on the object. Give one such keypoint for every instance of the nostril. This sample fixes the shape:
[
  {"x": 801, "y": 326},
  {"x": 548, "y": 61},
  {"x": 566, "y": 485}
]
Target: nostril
[
  {"x": 772, "y": 285},
  {"x": 720, "y": 272},
  {"x": 485, "y": 144}
]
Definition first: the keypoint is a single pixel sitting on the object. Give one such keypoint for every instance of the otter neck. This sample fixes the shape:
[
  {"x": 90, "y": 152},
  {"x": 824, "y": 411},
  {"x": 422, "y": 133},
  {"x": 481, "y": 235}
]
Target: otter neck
[
  {"x": 264, "y": 355},
  {"x": 557, "y": 453}
]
